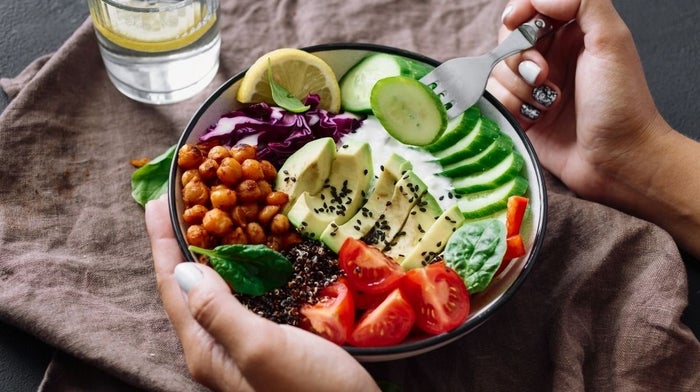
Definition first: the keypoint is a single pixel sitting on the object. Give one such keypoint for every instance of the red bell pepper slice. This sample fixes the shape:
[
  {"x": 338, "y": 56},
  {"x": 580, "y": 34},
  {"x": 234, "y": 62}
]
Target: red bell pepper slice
[{"x": 515, "y": 210}]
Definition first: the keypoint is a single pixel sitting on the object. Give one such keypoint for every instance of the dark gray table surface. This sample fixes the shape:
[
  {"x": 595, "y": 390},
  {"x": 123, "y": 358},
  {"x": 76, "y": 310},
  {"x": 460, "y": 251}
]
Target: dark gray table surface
[{"x": 667, "y": 39}]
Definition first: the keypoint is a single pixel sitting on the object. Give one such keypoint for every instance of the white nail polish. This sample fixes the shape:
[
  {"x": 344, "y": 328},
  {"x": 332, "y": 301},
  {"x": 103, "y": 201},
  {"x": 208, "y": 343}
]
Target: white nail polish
[
  {"x": 506, "y": 12},
  {"x": 187, "y": 275},
  {"x": 529, "y": 71}
]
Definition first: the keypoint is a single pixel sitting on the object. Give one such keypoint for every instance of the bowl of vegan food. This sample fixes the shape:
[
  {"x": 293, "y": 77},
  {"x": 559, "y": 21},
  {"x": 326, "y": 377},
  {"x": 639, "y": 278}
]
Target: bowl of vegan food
[{"x": 329, "y": 189}]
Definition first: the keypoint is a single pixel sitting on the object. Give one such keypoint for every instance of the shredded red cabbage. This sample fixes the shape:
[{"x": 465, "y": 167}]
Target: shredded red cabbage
[{"x": 279, "y": 132}]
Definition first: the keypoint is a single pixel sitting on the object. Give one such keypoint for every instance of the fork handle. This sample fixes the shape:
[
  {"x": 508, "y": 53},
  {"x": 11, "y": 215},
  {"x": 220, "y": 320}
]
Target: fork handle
[{"x": 524, "y": 37}]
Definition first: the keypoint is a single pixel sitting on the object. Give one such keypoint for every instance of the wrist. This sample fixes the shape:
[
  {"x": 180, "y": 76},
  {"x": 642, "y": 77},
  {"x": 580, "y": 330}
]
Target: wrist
[{"x": 658, "y": 183}]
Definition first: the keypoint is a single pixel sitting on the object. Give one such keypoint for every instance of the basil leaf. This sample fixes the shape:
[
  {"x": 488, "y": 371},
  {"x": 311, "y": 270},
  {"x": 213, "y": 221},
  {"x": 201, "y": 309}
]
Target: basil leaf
[
  {"x": 249, "y": 269},
  {"x": 282, "y": 97},
  {"x": 475, "y": 251},
  {"x": 151, "y": 180}
]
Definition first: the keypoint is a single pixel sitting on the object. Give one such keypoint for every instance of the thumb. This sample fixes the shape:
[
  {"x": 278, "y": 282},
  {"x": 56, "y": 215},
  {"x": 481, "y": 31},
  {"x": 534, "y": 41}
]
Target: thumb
[{"x": 217, "y": 311}]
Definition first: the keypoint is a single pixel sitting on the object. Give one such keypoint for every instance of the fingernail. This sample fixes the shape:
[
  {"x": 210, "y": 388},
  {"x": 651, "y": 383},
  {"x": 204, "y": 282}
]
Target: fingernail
[
  {"x": 506, "y": 12},
  {"x": 187, "y": 275},
  {"x": 544, "y": 95},
  {"x": 529, "y": 111},
  {"x": 529, "y": 70}
]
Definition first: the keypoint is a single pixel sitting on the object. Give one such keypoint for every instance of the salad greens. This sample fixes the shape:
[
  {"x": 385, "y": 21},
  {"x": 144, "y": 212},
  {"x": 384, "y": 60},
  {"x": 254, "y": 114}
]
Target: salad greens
[
  {"x": 475, "y": 251},
  {"x": 282, "y": 97},
  {"x": 249, "y": 269},
  {"x": 151, "y": 180}
]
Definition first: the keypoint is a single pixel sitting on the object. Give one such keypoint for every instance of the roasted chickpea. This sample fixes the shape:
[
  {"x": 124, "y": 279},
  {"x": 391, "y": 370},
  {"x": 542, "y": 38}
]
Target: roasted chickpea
[
  {"x": 265, "y": 188},
  {"x": 194, "y": 214},
  {"x": 291, "y": 238},
  {"x": 246, "y": 213},
  {"x": 248, "y": 191},
  {"x": 279, "y": 224},
  {"x": 251, "y": 211},
  {"x": 189, "y": 157},
  {"x": 277, "y": 198},
  {"x": 223, "y": 198},
  {"x": 229, "y": 171},
  {"x": 195, "y": 192},
  {"x": 236, "y": 236},
  {"x": 242, "y": 152},
  {"x": 266, "y": 214},
  {"x": 238, "y": 216},
  {"x": 274, "y": 242},
  {"x": 252, "y": 170},
  {"x": 269, "y": 171},
  {"x": 217, "y": 222},
  {"x": 190, "y": 175},
  {"x": 218, "y": 153},
  {"x": 255, "y": 233},
  {"x": 196, "y": 235},
  {"x": 208, "y": 169}
]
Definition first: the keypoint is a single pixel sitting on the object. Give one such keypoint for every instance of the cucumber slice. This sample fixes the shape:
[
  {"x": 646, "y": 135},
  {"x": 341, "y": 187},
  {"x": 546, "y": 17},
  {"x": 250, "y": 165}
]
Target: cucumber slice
[
  {"x": 409, "y": 110},
  {"x": 356, "y": 85},
  {"x": 479, "y": 205},
  {"x": 491, "y": 178},
  {"x": 475, "y": 142},
  {"x": 493, "y": 154},
  {"x": 457, "y": 129}
]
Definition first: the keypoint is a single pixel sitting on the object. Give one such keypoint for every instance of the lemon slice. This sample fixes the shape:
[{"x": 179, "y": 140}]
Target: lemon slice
[{"x": 299, "y": 72}]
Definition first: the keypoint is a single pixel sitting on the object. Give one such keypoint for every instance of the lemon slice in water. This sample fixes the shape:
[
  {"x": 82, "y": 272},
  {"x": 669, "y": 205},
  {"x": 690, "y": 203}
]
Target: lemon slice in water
[
  {"x": 299, "y": 72},
  {"x": 165, "y": 30}
]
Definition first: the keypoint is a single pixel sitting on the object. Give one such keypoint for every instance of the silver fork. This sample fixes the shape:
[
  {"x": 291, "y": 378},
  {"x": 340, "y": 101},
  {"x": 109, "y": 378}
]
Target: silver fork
[{"x": 459, "y": 82}]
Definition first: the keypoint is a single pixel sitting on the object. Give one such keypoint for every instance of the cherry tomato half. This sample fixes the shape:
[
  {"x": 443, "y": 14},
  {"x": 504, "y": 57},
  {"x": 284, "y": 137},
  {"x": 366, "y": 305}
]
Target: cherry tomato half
[
  {"x": 333, "y": 316},
  {"x": 439, "y": 297},
  {"x": 386, "y": 325},
  {"x": 364, "y": 301},
  {"x": 367, "y": 268}
]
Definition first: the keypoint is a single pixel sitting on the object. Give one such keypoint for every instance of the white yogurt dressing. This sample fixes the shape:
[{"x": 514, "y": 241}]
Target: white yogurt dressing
[{"x": 383, "y": 145}]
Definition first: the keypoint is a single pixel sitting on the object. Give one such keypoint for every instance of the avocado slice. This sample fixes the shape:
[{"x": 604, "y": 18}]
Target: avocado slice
[
  {"x": 435, "y": 239},
  {"x": 341, "y": 195},
  {"x": 362, "y": 222},
  {"x": 306, "y": 170},
  {"x": 407, "y": 192},
  {"x": 421, "y": 217}
]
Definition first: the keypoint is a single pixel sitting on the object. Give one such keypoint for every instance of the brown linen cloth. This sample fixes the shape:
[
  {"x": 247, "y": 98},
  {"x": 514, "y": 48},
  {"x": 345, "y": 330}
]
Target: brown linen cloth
[{"x": 600, "y": 311}]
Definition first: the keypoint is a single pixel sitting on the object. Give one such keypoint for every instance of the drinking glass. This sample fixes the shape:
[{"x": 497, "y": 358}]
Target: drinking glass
[{"x": 158, "y": 51}]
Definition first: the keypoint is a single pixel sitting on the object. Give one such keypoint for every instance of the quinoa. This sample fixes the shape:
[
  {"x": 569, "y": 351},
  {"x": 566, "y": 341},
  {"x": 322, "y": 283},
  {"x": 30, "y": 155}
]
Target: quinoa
[{"x": 315, "y": 267}]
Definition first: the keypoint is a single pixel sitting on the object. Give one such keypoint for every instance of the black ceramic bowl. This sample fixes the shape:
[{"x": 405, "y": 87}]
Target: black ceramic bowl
[{"x": 483, "y": 305}]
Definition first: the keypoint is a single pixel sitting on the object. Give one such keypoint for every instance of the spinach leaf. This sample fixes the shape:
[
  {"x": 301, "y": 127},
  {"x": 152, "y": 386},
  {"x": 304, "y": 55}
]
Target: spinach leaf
[
  {"x": 282, "y": 97},
  {"x": 475, "y": 251},
  {"x": 249, "y": 269},
  {"x": 151, "y": 180}
]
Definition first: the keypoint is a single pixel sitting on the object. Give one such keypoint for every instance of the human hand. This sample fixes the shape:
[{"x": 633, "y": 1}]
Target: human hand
[
  {"x": 603, "y": 119},
  {"x": 229, "y": 348}
]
